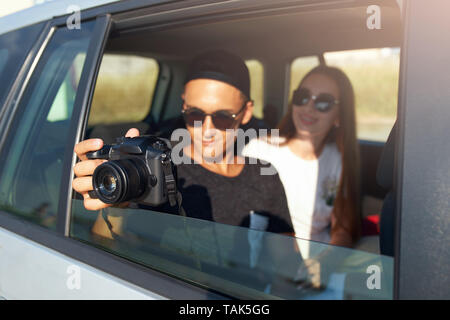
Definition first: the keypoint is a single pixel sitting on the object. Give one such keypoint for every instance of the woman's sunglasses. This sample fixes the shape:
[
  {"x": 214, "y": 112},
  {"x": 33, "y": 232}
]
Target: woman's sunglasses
[
  {"x": 221, "y": 119},
  {"x": 322, "y": 102}
]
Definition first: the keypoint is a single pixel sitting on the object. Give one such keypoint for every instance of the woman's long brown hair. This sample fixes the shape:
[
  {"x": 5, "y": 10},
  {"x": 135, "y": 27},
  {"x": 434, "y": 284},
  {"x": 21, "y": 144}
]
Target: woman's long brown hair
[{"x": 347, "y": 202}]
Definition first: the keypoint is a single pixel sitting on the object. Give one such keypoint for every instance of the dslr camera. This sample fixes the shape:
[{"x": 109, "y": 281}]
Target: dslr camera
[{"x": 138, "y": 170}]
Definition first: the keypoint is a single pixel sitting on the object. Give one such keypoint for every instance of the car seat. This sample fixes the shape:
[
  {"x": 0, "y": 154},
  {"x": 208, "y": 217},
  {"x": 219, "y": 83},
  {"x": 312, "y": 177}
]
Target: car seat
[{"x": 385, "y": 178}]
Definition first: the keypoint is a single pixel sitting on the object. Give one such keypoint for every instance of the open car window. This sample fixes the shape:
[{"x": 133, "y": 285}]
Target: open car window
[{"x": 234, "y": 261}]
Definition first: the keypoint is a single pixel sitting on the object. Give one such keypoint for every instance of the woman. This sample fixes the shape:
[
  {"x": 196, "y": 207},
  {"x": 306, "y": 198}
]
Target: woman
[{"x": 316, "y": 157}]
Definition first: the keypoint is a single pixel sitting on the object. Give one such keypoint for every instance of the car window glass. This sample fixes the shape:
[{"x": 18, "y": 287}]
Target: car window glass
[
  {"x": 61, "y": 108},
  {"x": 3, "y": 58},
  {"x": 374, "y": 74},
  {"x": 14, "y": 48},
  {"x": 240, "y": 262},
  {"x": 32, "y": 164}
]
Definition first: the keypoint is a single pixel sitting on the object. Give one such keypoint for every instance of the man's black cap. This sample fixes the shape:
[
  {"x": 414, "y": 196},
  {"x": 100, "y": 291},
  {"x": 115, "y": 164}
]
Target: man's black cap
[{"x": 222, "y": 66}]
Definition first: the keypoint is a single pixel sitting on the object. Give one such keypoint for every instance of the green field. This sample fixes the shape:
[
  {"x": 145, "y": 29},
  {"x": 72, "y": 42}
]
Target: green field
[{"x": 125, "y": 88}]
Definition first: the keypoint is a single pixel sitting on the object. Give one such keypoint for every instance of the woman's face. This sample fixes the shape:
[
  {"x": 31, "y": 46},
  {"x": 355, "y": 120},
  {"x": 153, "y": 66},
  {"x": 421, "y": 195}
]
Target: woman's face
[{"x": 310, "y": 122}]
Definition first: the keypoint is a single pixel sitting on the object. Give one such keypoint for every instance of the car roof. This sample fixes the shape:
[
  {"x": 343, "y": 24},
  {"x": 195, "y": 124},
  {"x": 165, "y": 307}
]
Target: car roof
[{"x": 45, "y": 11}]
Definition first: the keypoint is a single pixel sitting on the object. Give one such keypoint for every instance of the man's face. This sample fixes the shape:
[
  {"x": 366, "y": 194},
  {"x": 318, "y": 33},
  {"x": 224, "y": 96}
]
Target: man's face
[{"x": 211, "y": 96}]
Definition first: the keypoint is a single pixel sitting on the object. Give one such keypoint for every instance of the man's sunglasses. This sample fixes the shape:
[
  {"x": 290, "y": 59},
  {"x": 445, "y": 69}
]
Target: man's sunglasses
[
  {"x": 221, "y": 119},
  {"x": 322, "y": 102}
]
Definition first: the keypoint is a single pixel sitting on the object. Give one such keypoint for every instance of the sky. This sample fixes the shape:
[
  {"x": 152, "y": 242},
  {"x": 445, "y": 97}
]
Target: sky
[{"x": 10, "y": 6}]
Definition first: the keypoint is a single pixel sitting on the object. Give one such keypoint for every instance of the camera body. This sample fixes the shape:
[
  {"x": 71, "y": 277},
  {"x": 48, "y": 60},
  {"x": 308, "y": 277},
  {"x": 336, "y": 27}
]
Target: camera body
[{"x": 138, "y": 170}]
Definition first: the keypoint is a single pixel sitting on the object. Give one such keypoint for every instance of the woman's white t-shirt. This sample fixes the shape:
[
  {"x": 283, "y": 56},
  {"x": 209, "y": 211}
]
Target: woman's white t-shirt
[{"x": 310, "y": 185}]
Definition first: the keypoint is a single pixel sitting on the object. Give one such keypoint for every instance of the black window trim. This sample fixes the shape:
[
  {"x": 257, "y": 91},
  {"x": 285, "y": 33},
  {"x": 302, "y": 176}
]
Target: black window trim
[{"x": 186, "y": 12}]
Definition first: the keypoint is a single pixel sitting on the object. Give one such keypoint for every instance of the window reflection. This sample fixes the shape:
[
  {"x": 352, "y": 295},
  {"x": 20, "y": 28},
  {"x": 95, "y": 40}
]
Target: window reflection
[{"x": 222, "y": 257}]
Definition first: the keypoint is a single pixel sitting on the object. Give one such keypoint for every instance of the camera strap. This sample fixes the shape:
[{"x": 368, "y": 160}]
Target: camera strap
[
  {"x": 173, "y": 194},
  {"x": 171, "y": 183}
]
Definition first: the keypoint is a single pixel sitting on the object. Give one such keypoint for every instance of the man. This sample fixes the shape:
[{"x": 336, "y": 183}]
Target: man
[{"x": 216, "y": 185}]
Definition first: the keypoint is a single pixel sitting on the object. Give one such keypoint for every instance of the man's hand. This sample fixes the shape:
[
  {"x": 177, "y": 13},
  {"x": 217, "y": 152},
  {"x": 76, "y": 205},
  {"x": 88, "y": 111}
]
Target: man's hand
[{"x": 85, "y": 168}]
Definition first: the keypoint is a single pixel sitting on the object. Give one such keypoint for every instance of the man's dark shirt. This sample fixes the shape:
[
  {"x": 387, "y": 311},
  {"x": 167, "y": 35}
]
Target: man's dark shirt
[{"x": 229, "y": 200}]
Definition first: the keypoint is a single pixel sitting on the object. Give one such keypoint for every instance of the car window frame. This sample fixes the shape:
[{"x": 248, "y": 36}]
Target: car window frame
[
  {"x": 164, "y": 18},
  {"x": 59, "y": 241},
  {"x": 83, "y": 97}
]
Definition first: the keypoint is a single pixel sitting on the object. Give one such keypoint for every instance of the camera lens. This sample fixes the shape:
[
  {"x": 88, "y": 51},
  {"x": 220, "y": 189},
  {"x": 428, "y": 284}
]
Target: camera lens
[
  {"x": 118, "y": 181},
  {"x": 108, "y": 184}
]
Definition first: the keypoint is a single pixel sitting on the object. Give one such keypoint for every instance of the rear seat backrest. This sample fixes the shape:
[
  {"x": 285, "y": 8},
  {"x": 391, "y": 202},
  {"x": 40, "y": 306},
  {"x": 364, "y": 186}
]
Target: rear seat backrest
[
  {"x": 385, "y": 178},
  {"x": 109, "y": 132}
]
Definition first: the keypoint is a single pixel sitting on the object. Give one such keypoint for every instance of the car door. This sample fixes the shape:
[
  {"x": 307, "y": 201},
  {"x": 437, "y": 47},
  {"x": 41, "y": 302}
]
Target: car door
[{"x": 423, "y": 180}]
